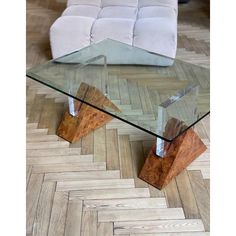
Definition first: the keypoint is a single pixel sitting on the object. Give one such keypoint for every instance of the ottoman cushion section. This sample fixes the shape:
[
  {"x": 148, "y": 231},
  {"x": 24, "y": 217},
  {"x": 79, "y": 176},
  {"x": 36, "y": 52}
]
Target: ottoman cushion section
[
  {"x": 70, "y": 33},
  {"x": 129, "y": 3},
  {"x": 167, "y": 3},
  {"x": 156, "y": 35},
  {"x": 156, "y": 11},
  {"x": 82, "y": 10},
  {"x": 118, "y": 12},
  {"x": 113, "y": 28},
  {"x": 84, "y": 2}
]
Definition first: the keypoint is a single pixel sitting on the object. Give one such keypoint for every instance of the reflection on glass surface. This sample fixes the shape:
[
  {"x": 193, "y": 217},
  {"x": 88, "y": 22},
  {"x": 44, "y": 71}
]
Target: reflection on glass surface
[
  {"x": 136, "y": 81},
  {"x": 173, "y": 115},
  {"x": 117, "y": 53}
]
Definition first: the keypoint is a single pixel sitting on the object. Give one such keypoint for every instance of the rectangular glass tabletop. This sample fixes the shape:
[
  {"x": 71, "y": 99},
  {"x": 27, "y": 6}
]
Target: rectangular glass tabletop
[{"x": 154, "y": 93}]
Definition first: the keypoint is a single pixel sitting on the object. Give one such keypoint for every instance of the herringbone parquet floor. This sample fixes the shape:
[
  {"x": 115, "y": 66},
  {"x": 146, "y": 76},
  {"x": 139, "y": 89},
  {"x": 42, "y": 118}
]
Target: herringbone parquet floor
[{"x": 91, "y": 187}]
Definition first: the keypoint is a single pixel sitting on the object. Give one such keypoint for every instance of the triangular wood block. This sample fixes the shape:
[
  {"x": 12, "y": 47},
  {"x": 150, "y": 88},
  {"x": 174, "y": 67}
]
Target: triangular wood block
[
  {"x": 182, "y": 151},
  {"x": 72, "y": 128}
]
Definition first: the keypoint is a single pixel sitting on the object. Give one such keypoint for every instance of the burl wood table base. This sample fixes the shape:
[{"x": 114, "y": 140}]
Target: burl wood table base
[
  {"x": 181, "y": 152},
  {"x": 72, "y": 128},
  {"x": 156, "y": 171}
]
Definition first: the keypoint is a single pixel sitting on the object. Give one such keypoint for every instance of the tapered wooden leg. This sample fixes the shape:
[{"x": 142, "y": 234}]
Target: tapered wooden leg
[
  {"x": 159, "y": 171},
  {"x": 72, "y": 128}
]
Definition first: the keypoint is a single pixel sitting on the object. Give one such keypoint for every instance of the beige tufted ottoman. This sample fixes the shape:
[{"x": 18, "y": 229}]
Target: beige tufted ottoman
[{"x": 147, "y": 24}]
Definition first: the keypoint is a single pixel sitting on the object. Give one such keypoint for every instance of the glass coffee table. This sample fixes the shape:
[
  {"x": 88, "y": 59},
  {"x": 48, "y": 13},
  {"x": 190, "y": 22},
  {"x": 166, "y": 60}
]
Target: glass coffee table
[{"x": 159, "y": 95}]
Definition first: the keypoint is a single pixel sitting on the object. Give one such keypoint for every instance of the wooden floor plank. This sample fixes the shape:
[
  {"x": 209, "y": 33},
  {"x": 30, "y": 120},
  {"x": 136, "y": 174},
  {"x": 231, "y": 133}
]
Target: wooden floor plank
[
  {"x": 154, "y": 192},
  {"x": 122, "y": 204},
  {"x": 31, "y": 126},
  {"x": 48, "y": 111},
  {"x": 207, "y": 185},
  {"x": 77, "y": 144},
  {"x": 134, "y": 95},
  {"x": 41, "y": 138},
  {"x": 87, "y": 144},
  {"x": 35, "y": 112},
  {"x": 110, "y": 193},
  {"x": 202, "y": 197},
  {"x": 95, "y": 184},
  {"x": 58, "y": 214},
  {"x": 89, "y": 223},
  {"x": 50, "y": 144},
  {"x": 82, "y": 175},
  {"x": 105, "y": 229},
  {"x": 187, "y": 196},
  {"x": 112, "y": 150},
  {"x": 175, "y": 234},
  {"x": 83, "y": 166},
  {"x": 100, "y": 144},
  {"x": 160, "y": 226},
  {"x": 53, "y": 152},
  {"x": 74, "y": 218},
  {"x": 56, "y": 111},
  {"x": 140, "y": 214},
  {"x": 28, "y": 174},
  {"x": 59, "y": 159},
  {"x": 32, "y": 196},
  {"x": 43, "y": 213},
  {"x": 137, "y": 163},
  {"x": 36, "y": 132},
  {"x": 172, "y": 194},
  {"x": 126, "y": 167}
]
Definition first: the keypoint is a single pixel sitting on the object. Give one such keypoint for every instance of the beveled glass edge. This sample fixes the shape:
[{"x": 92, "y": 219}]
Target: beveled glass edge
[{"x": 119, "y": 118}]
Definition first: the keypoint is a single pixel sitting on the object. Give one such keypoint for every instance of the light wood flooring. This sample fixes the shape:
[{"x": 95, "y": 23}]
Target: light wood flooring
[{"x": 91, "y": 187}]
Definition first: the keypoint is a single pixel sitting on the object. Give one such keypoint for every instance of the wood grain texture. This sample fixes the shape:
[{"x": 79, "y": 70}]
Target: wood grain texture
[
  {"x": 44, "y": 208},
  {"x": 83, "y": 166},
  {"x": 72, "y": 128},
  {"x": 140, "y": 214},
  {"x": 73, "y": 218},
  {"x": 110, "y": 193},
  {"x": 28, "y": 173},
  {"x": 87, "y": 144},
  {"x": 172, "y": 194},
  {"x": 161, "y": 226},
  {"x": 59, "y": 159},
  {"x": 125, "y": 158},
  {"x": 95, "y": 184},
  {"x": 112, "y": 150},
  {"x": 187, "y": 196},
  {"x": 82, "y": 175},
  {"x": 181, "y": 152},
  {"x": 122, "y": 204},
  {"x": 89, "y": 223},
  {"x": 53, "y": 152},
  {"x": 137, "y": 162},
  {"x": 104, "y": 229},
  {"x": 58, "y": 214},
  {"x": 32, "y": 196},
  {"x": 100, "y": 144},
  {"x": 175, "y": 234},
  {"x": 202, "y": 197}
]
